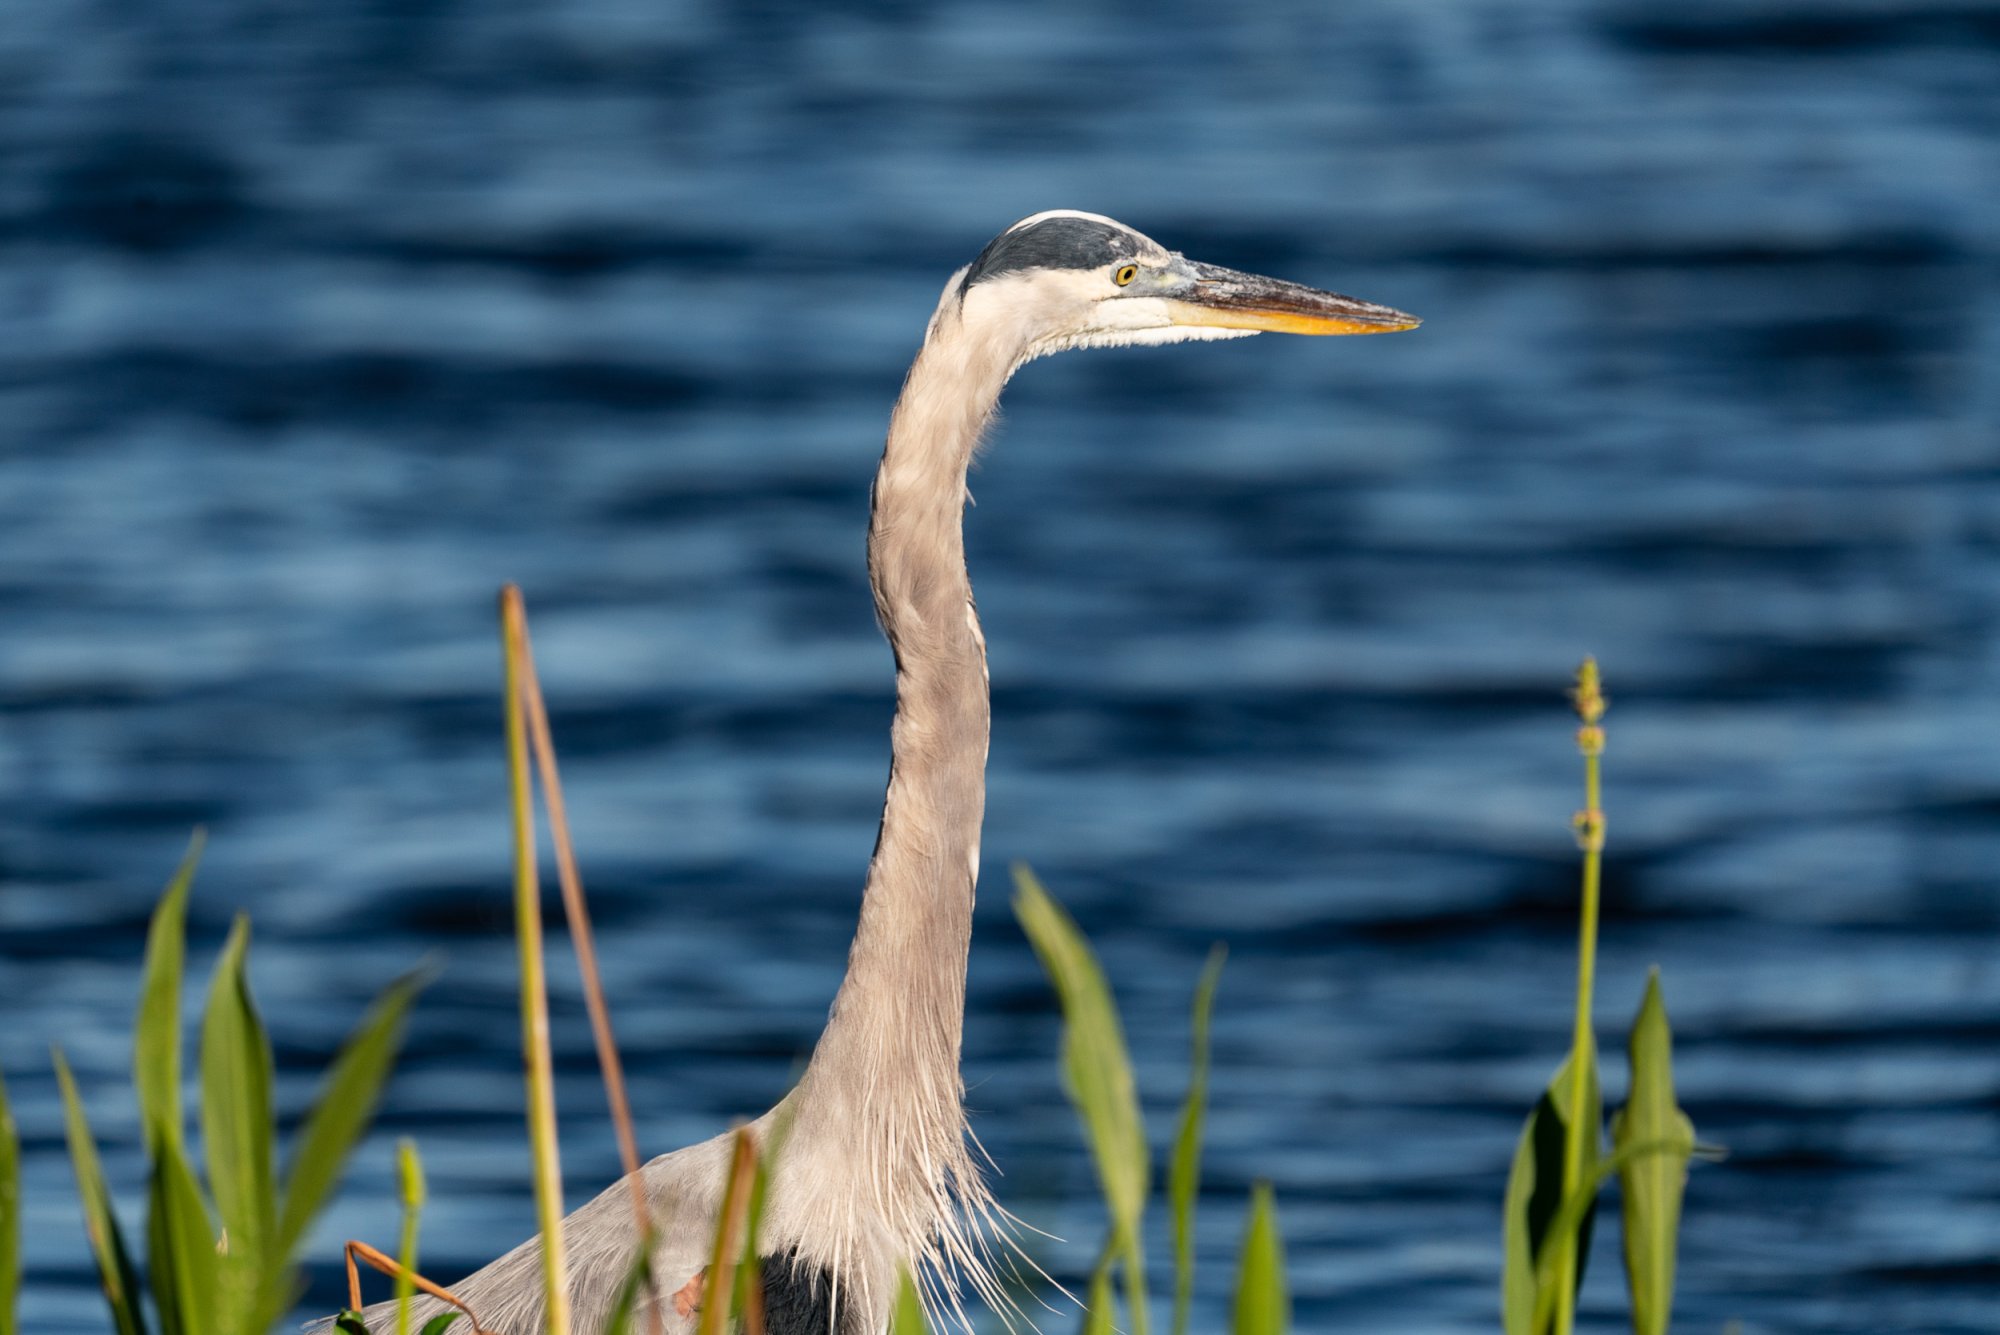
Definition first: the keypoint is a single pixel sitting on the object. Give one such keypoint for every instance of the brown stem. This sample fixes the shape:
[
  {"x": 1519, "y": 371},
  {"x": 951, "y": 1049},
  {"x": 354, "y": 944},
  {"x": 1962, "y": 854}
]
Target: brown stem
[
  {"x": 389, "y": 1266},
  {"x": 735, "y": 1209},
  {"x": 578, "y": 915}
]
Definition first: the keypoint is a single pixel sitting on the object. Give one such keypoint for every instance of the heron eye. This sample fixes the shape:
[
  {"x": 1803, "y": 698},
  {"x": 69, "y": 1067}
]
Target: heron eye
[{"x": 1126, "y": 273}]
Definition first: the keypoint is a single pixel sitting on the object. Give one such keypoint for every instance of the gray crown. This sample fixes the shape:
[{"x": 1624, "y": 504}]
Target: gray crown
[{"x": 1054, "y": 243}]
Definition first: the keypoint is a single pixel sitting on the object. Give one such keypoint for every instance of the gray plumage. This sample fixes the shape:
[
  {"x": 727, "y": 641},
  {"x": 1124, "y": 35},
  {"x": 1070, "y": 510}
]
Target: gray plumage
[{"x": 876, "y": 1170}]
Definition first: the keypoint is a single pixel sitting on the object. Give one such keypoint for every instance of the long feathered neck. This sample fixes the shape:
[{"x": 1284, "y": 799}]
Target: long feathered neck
[{"x": 879, "y": 1114}]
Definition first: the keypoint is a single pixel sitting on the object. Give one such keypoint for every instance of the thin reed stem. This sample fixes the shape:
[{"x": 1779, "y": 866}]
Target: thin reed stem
[
  {"x": 577, "y": 912},
  {"x": 410, "y": 1181},
  {"x": 720, "y": 1286},
  {"x": 1589, "y": 698},
  {"x": 387, "y": 1265},
  {"x": 534, "y": 983}
]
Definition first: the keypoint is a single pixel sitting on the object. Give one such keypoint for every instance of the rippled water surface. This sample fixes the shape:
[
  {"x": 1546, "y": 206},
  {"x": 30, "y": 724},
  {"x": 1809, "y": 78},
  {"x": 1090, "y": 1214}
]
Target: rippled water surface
[{"x": 316, "y": 324}]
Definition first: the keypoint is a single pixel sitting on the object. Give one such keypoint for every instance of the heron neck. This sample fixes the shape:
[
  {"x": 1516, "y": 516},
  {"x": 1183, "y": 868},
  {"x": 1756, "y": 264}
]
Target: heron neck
[{"x": 898, "y": 1018}]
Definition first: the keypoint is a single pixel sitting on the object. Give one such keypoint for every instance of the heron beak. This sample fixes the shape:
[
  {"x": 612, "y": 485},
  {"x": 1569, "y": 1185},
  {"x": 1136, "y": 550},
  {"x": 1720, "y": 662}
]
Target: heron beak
[{"x": 1235, "y": 300}]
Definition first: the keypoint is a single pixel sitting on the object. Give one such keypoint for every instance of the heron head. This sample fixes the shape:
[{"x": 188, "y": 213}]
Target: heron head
[{"x": 1066, "y": 279}]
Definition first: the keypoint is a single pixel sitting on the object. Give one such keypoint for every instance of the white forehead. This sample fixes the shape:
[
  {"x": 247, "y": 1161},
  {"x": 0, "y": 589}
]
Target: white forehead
[{"x": 1034, "y": 218}]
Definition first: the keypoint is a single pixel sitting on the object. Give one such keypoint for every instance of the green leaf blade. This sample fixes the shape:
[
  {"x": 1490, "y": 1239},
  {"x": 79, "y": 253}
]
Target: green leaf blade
[
  {"x": 340, "y": 1116},
  {"x": 236, "y": 1132},
  {"x": 1184, "y": 1169},
  {"x": 116, "y": 1273},
  {"x": 1100, "y": 1313},
  {"x": 1535, "y": 1195},
  {"x": 156, "y": 1029},
  {"x": 1263, "y": 1300},
  {"x": 181, "y": 1250},
  {"x": 1651, "y": 1185},
  {"x": 10, "y": 1217},
  {"x": 1097, "y": 1074}
]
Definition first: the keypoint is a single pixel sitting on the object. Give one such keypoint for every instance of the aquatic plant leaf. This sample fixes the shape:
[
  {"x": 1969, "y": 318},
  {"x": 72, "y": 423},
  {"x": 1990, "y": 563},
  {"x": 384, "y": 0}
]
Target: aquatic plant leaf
[
  {"x": 10, "y": 1216},
  {"x": 1100, "y": 1313},
  {"x": 181, "y": 1248},
  {"x": 1579, "y": 1203},
  {"x": 1650, "y": 1185},
  {"x": 156, "y": 1030},
  {"x": 1535, "y": 1193},
  {"x": 1517, "y": 1263},
  {"x": 236, "y": 1133},
  {"x": 343, "y": 1110},
  {"x": 908, "y": 1316},
  {"x": 1097, "y": 1074},
  {"x": 1184, "y": 1169},
  {"x": 349, "y": 1322},
  {"x": 115, "y": 1271},
  {"x": 440, "y": 1323},
  {"x": 1263, "y": 1302}
]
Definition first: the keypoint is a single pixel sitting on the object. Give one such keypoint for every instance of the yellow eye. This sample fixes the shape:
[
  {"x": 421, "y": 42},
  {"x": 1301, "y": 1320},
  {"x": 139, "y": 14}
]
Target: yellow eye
[{"x": 1126, "y": 273}]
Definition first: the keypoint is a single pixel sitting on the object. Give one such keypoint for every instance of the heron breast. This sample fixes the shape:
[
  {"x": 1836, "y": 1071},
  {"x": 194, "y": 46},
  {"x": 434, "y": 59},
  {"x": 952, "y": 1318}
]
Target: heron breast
[{"x": 799, "y": 1297}]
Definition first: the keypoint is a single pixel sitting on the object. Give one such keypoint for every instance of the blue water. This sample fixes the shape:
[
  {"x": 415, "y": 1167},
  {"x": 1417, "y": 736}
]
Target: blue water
[{"x": 319, "y": 322}]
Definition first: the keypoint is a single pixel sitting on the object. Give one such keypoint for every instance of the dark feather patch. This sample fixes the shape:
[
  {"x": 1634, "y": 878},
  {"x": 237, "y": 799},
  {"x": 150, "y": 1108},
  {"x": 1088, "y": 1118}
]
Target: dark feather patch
[
  {"x": 798, "y": 1300},
  {"x": 1053, "y": 243}
]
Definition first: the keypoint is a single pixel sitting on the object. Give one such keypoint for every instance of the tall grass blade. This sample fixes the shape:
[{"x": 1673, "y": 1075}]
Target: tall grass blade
[
  {"x": 1100, "y": 1314},
  {"x": 1184, "y": 1170},
  {"x": 10, "y": 1216},
  {"x": 181, "y": 1254},
  {"x": 534, "y": 983},
  {"x": 115, "y": 1271},
  {"x": 1263, "y": 1302},
  {"x": 340, "y": 1115},
  {"x": 1650, "y": 1186},
  {"x": 1536, "y": 1189},
  {"x": 1517, "y": 1243},
  {"x": 156, "y": 1030},
  {"x": 237, "y": 1136},
  {"x": 1097, "y": 1074}
]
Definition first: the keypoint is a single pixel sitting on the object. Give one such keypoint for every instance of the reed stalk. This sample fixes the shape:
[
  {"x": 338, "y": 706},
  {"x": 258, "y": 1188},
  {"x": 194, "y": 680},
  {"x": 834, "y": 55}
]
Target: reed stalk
[
  {"x": 534, "y": 980},
  {"x": 355, "y": 1251},
  {"x": 576, "y": 912},
  {"x": 1589, "y": 700},
  {"x": 731, "y": 1228},
  {"x": 410, "y": 1185}
]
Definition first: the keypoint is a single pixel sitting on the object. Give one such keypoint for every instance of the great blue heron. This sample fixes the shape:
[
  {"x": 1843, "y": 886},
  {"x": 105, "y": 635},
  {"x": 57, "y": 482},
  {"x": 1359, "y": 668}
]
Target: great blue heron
[{"x": 875, "y": 1172}]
